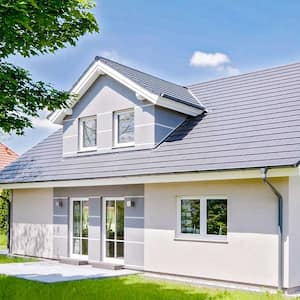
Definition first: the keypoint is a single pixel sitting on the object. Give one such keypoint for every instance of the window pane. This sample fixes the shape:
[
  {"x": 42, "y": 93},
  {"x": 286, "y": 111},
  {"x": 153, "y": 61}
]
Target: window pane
[
  {"x": 76, "y": 218},
  {"x": 84, "y": 246},
  {"x": 120, "y": 249},
  {"x": 85, "y": 216},
  {"x": 217, "y": 217},
  {"x": 126, "y": 127},
  {"x": 110, "y": 220},
  {"x": 120, "y": 220},
  {"x": 76, "y": 246},
  {"x": 110, "y": 249},
  {"x": 89, "y": 131},
  {"x": 190, "y": 216}
]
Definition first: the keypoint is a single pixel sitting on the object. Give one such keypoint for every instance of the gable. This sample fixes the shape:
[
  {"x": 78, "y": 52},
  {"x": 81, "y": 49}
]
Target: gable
[
  {"x": 146, "y": 87},
  {"x": 103, "y": 99}
]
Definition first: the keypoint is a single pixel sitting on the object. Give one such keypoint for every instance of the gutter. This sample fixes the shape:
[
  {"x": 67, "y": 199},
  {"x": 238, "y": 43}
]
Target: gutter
[{"x": 264, "y": 172}]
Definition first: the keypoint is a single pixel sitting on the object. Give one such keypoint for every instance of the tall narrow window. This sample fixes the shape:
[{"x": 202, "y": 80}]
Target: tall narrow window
[
  {"x": 124, "y": 128},
  {"x": 217, "y": 216},
  {"x": 88, "y": 133}
]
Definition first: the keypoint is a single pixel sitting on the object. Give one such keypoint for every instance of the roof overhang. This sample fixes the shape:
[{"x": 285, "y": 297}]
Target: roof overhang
[
  {"x": 161, "y": 178},
  {"x": 99, "y": 68}
]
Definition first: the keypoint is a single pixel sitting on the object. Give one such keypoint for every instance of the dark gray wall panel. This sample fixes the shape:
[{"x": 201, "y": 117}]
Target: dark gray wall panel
[
  {"x": 61, "y": 227},
  {"x": 94, "y": 247}
]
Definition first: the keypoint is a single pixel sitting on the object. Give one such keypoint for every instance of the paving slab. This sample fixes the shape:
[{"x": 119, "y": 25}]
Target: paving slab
[{"x": 52, "y": 271}]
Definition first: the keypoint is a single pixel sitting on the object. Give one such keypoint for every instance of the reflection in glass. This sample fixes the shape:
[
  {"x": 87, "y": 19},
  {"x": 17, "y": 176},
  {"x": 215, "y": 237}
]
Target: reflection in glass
[
  {"x": 120, "y": 220},
  {"x": 76, "y": 218},
  {"x": 80, "y": 227},
  {"x": 190, "y": 216},
  {"x": 85, "y": 221},
  {"x": 126, "y": 127},
  {"x": 110, "y": 249},
  {"x": 89, "y": 131},
  {"x": 217, "y": 217},
  {"x": 110, "y": 220},
  {"x": 120, "y": 249},
  {"x": 76, "y": 246}
]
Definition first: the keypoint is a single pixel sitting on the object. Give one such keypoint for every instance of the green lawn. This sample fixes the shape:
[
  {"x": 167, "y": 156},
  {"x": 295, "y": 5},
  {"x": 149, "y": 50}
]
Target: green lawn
[
  {"x": 124, "y": 288},
  {"x": 4, "y": 259},
  {"x": 3, "y": 241}
]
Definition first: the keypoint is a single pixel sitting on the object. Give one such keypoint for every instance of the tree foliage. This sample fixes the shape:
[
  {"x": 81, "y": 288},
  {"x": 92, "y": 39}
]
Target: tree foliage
[
  {"x": 34, "y": 27},
  {"x": 4, "y": 202}
]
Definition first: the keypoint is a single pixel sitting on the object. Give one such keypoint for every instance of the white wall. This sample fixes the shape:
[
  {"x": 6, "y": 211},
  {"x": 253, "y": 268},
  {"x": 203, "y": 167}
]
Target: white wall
[
  {"x": 251, "y": 252},
  {"x": 32, "y": 229}
]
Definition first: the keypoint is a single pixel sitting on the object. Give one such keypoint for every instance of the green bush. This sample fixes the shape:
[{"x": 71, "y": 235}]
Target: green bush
[{"x": 4, "y": 203}]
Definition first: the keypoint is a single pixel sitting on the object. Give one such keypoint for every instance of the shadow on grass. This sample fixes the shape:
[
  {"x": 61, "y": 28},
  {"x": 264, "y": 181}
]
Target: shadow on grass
[{"x": 123, "y": 288}]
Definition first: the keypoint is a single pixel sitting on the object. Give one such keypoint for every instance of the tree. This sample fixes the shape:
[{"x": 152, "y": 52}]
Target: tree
[
  {"x": 4, "y": 200},
  {"x": 35, "y": 27}
]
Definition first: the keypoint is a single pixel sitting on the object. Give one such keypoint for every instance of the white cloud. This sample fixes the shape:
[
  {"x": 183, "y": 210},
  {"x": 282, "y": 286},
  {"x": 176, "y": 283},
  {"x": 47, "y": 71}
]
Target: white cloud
[
  {"x": 217, "y": 61},
  {"x": 44, "y": 123},
  {"x": 206, "y": 60}
]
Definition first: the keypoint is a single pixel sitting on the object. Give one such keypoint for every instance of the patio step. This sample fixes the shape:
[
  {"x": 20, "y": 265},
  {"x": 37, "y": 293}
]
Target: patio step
[
  {"x": 106, "y": 265},
  {"x": 73, "y": 261}
]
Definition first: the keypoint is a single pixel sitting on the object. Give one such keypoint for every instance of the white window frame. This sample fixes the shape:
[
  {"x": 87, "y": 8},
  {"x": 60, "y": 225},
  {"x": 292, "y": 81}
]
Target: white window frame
[
  {"x": 116, "y": 128},
  {"x": 104, "y": 258},
  {"x": 203, "y": 236},
  {"x": 71, "y": 254},
  {"x": 81, "y": 147}
]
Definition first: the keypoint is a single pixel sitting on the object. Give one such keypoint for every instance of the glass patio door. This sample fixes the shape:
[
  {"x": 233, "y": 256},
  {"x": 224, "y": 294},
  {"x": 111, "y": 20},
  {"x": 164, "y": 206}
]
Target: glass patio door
[
  {"x": 79, "y": 227},
  {"x": 114, "y": 229}
]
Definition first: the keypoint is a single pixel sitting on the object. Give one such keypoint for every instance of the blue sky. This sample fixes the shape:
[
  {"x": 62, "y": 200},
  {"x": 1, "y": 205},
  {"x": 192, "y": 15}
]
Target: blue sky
[{"x": 161, "y": 37}]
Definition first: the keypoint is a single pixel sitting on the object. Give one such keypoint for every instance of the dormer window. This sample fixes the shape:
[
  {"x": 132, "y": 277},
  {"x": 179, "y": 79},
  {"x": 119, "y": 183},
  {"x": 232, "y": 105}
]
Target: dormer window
[
  {"x": 88, "y": 133},
  {"x": 124, "y": 128}
]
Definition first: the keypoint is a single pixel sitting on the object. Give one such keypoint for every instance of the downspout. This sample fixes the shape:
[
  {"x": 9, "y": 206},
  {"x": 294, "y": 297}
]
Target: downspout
[{"x": 280, "y": 226}]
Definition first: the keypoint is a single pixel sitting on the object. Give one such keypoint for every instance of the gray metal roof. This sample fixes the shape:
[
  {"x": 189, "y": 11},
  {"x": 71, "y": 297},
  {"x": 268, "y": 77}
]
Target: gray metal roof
[
  {"x": 253, "y": 120},
  {"x": 154, "y": 84}
]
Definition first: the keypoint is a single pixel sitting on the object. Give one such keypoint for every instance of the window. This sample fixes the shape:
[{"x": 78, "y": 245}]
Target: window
[
  {"x": 201, "y": 217},
  {"x": 124, "y": 128},
  {"x": 88, "y": 133}
]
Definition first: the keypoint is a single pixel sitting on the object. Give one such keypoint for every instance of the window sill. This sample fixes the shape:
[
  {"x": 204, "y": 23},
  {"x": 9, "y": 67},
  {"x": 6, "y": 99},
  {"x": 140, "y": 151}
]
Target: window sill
[
  {"x": 123, "y": 146},
  {"x": 203, "y": 239},
  {"x": 87, "y": 150}
]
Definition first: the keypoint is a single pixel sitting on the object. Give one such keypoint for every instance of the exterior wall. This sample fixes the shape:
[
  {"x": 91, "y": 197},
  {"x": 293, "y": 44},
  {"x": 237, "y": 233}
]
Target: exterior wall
[
  {"x": 134, "y": 221},
  {"x": 32, "y": 228},
  {"x": 107, "y": 96},
  {"x": 292, "y": 236},
  {"x": 250, "y": 254}
]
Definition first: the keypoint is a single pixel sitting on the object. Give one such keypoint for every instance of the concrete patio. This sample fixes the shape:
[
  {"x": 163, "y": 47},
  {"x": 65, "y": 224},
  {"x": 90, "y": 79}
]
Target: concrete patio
[{"x": 52, "y": 271}]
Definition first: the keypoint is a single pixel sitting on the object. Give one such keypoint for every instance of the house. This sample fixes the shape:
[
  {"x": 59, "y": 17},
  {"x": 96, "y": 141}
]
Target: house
[
  {"x": 199, "y": 181},
  {"x": 7, "y": 156}
]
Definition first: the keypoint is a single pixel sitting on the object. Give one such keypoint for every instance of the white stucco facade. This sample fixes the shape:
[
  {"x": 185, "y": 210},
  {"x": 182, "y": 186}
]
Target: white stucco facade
[{"x": 32, "y": 222}]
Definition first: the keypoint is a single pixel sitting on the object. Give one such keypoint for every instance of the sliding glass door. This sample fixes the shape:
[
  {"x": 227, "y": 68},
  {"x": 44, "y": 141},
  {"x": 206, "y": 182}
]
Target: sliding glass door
[
  {"x": 113, "y": 247},
  {"x": 79, "y": 227}
]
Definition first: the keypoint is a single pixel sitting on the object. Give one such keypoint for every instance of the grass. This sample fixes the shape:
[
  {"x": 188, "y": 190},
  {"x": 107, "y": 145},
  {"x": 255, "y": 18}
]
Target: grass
[
  {"x": 3, "y": 241},
  {"x": 4, "y": 259},
  {"x": 122, "y": 288}
]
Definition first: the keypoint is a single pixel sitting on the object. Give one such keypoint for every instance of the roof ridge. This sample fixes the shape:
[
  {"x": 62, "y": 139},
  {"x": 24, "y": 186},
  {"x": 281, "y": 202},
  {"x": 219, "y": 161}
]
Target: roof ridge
[
  {"x": 142, "y": 72},
  {"x": 277, "y": 67}
]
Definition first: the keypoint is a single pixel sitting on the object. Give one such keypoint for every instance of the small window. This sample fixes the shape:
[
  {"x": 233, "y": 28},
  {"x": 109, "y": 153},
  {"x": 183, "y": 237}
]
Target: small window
[
  {"x": 124, "y": 128},
  {"x": 202, "y": 217},
  {"x": 88, "y": 133}
]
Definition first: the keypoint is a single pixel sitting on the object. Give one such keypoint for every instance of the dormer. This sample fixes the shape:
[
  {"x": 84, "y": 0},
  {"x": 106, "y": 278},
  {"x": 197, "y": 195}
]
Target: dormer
[{"x": 121, "y": 109}]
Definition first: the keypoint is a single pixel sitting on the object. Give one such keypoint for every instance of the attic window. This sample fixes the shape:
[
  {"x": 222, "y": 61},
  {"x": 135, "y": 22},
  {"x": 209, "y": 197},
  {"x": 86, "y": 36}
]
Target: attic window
[
  {"x": 124, "y": 128},
  {"x": 88, "y": 133}
]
